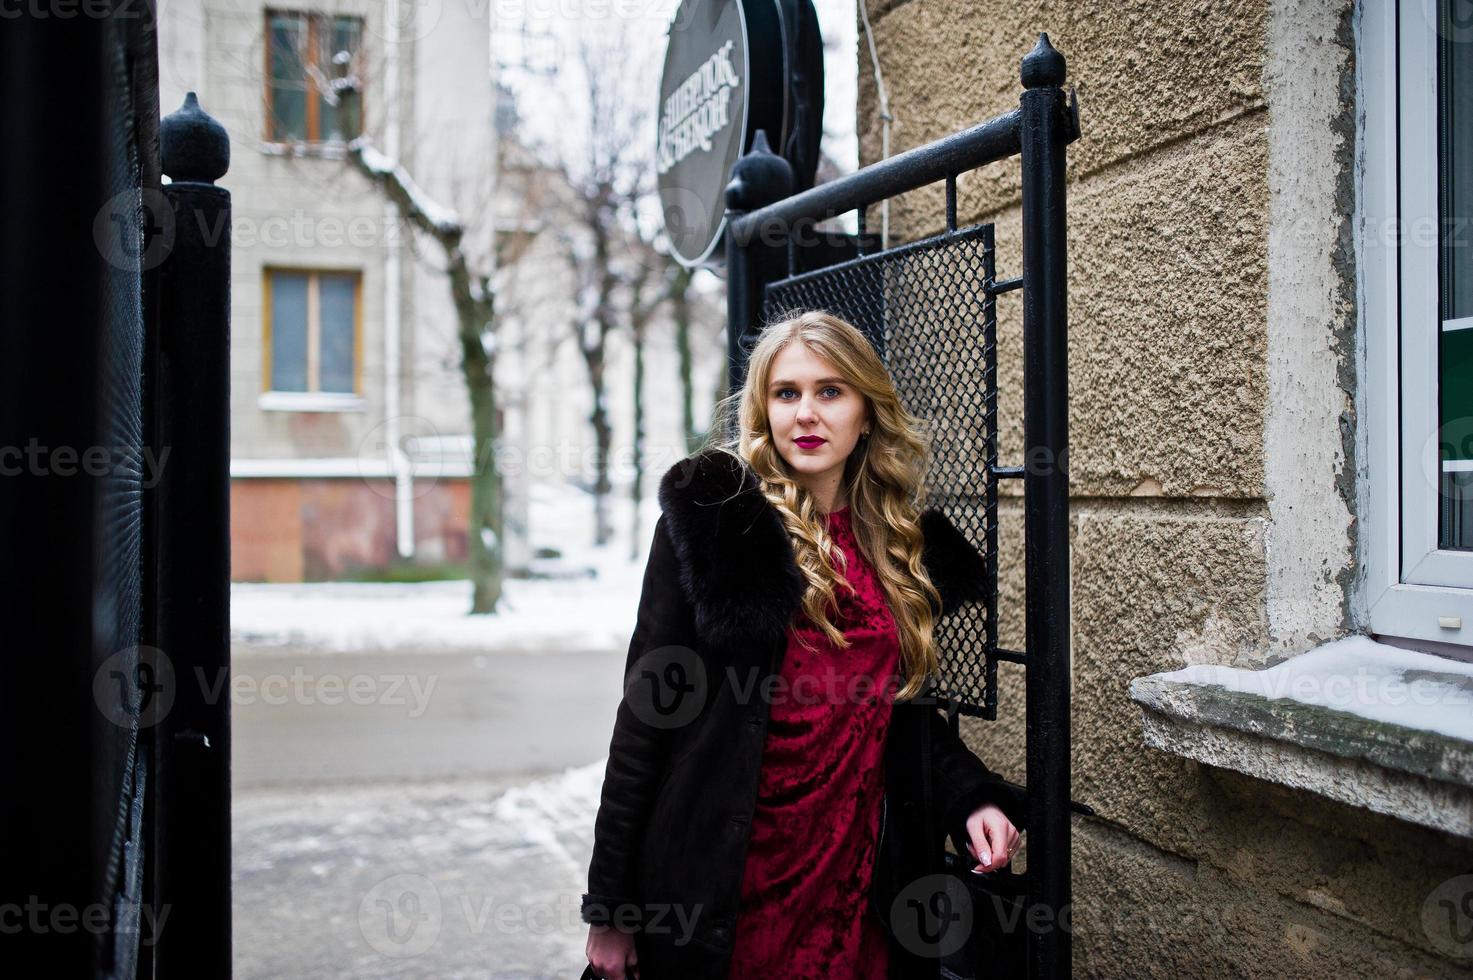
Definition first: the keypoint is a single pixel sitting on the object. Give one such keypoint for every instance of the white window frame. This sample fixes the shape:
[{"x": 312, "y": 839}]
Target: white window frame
[{"x": 1412, "y": 589}]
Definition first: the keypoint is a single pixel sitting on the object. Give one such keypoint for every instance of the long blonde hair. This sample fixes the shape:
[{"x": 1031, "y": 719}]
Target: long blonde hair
[{"x": 885, "y": 478}]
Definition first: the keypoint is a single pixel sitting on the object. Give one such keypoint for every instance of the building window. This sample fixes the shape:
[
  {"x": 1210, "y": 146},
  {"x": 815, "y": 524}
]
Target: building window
[
  {"x": 1455, "y": 275},
  {"x": 301, "y": 49},
  {"x": 1416, "y": 240},
  {"x": 312, "y": 332}
]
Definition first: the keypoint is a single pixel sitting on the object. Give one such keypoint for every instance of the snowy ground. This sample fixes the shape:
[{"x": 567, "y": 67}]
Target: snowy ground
[
  {"x": 442, "y": 827},
  {"x": 534, "y": 614},
  {"x": 474, "y": 879}
]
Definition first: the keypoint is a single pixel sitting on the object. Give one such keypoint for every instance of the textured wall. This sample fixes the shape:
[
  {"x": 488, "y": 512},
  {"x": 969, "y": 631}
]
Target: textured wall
[
  {"x": 294, "y": 530},
  {"x": 1211, "y": 309}
]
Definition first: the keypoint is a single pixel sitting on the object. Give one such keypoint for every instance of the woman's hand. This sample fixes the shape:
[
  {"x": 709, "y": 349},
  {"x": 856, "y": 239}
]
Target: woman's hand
[
  {"x": 612, "y": 953},
  {"x": 993, "y": 838}
]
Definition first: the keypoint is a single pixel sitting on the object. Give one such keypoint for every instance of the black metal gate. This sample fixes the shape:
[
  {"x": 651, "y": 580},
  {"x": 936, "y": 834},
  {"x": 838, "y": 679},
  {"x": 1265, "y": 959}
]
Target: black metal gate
[
  {"x": 929, "y": 308},
  {"x": 114, "y": 535}
]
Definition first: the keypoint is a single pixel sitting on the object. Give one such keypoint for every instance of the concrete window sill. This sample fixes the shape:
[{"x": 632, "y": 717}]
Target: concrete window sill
[
  {"x": 325, "y": 149},
  {"x": 310, "y": 401},
  {"x": 1358, "y": 721}
]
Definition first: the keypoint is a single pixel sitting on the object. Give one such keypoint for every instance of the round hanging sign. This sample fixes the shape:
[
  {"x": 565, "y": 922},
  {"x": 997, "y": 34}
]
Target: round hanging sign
[{"x": 728, "y": 68}]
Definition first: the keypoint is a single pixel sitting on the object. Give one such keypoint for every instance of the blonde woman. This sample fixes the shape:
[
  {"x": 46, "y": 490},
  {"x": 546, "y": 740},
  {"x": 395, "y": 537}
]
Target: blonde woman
[{"x": 762, "y": 805}]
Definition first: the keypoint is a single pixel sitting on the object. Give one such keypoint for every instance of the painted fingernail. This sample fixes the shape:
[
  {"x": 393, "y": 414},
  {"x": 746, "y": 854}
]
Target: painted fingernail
[{"x": 986, "y": 857}]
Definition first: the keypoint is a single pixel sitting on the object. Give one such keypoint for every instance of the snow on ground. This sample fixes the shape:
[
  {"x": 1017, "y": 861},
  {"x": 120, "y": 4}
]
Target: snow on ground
[
  {"x": 470, "y": 879},
  {"x": 1356, "y": 674},
  {"x": 534, "y": 614}
]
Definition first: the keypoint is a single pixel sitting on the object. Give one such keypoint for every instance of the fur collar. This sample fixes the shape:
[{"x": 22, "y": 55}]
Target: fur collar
[{"x": 736, "y": 562}]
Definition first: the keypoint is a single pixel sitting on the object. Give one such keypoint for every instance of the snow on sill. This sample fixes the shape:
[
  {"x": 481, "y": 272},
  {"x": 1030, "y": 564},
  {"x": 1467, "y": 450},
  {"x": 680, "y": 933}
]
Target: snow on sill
[
  {"x": 310, "y": 401},
  {"x": 1366, "y": 723},
  {"x": 1356, "y": 674}
]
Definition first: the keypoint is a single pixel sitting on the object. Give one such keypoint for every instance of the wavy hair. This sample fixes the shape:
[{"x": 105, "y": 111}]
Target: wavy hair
[{"x": 885, "y": 479}]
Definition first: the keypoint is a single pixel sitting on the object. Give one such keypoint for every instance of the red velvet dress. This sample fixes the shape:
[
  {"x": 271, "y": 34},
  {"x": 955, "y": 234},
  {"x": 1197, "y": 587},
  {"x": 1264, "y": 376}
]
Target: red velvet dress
[{"x": 805, "y": 910}]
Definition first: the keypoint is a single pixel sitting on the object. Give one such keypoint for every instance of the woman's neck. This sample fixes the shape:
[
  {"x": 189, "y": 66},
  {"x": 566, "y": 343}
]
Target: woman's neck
[{"x": 836, "y": 502}]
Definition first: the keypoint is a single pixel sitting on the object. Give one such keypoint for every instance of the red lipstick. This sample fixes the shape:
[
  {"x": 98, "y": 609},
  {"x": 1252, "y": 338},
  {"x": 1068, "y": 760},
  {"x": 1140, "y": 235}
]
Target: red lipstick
[{"x": 810, "y": 442}]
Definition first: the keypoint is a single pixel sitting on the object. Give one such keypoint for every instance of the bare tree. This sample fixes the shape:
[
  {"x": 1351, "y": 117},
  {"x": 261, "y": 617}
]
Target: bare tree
[
  {"x": 472, "y": 293},
  {"x": 608, "y": 165}
]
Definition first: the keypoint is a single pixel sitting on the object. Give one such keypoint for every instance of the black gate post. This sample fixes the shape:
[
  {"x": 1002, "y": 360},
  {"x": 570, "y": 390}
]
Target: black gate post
[
  {"x": 1046, "y": 131},
  {"x": 191, "y": 510},
  {"x": 758, "y": 178}
]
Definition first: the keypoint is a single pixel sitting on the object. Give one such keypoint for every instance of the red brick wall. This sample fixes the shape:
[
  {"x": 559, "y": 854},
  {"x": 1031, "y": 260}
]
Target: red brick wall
[{"x": 293, "y": 530}]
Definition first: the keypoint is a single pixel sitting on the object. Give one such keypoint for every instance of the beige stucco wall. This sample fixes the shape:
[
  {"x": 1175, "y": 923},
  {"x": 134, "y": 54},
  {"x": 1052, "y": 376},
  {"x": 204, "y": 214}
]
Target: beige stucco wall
[{"x": 1211, "y": 313}]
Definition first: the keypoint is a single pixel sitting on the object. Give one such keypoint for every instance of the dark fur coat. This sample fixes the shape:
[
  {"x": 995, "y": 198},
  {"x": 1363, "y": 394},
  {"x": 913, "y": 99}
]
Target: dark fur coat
[{"x": 721, "y": 586}]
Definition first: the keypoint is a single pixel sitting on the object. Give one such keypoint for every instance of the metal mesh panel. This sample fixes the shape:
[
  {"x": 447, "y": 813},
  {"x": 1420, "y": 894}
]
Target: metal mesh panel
[
  {"x": 118, "y": 518},
  {"x": 929, "y": 309}
]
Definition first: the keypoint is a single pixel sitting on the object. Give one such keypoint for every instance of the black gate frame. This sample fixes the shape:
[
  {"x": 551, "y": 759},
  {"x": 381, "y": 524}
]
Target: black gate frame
[
  {"x": 114, "y": 509},
  {"x": 763, "y": 221}
]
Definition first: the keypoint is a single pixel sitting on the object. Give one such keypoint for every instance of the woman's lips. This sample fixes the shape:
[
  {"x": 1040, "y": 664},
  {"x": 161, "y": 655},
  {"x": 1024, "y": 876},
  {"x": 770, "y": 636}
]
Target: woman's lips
[{"x": 810, "y": 442}]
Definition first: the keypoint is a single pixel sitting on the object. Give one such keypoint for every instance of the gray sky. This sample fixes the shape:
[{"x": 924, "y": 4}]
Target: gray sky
[{"x": 552, "y": 109}]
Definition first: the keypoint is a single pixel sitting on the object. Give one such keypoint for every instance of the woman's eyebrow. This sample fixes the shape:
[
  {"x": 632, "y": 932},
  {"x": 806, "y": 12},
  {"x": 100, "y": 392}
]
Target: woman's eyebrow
[{"x": 821, "y": 381}]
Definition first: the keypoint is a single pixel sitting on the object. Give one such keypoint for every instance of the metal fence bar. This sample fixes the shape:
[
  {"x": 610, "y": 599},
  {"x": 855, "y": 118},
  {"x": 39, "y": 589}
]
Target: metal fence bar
[
  {"x": 1047, "y": 130},
  {"x": 996, "y": 139},
  {"x": 192, "y": 741}
]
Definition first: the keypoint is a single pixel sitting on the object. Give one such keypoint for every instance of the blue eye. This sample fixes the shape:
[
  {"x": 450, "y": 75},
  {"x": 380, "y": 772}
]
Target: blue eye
[{"x": 783, "y": 391}]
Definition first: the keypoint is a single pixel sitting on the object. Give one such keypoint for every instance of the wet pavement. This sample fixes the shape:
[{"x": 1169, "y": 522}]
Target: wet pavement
[{"x": 415, "y": 814}]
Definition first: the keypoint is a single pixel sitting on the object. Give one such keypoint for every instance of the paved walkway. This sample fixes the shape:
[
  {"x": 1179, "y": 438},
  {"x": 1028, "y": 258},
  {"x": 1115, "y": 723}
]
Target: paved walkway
[
  {"x": 441, "y": 829},
  {"x": 480, "y": 878}
]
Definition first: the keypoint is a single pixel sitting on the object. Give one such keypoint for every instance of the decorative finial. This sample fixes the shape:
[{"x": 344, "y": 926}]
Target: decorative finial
[
  {"x": 193, "y": 145},
  {"x": 758, "y": 177},
  {"x": 1043, "y": 67}
]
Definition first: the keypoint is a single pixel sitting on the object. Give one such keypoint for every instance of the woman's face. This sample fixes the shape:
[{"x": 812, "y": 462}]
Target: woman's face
[{"x": 816, "y": 417}]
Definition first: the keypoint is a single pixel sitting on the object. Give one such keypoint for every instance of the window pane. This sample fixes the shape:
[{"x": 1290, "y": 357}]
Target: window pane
[
  {"x": 287, "y": 37},
  {"x": 1455, "y": 205},
  {"x": 339, "y": 34},
  {"x": 335, "y": 298},
  {"x": 288, "y": 331}
]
